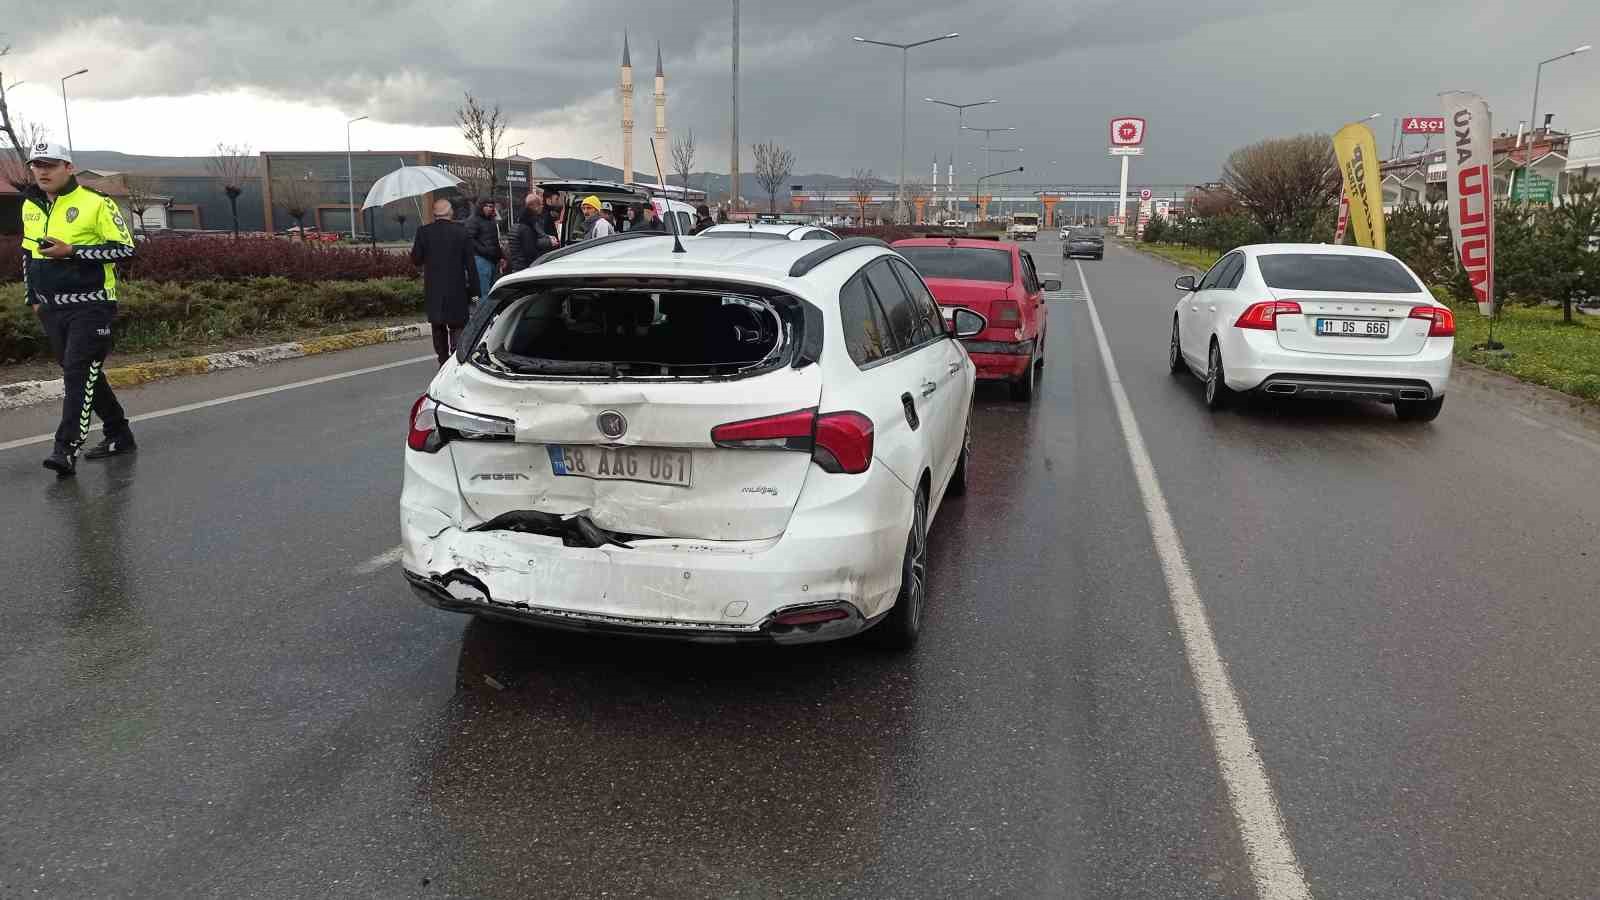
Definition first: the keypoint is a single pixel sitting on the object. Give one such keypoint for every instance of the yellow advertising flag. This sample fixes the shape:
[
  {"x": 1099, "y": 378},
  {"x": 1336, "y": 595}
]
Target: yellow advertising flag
[{"x": 1357, "y": 151}]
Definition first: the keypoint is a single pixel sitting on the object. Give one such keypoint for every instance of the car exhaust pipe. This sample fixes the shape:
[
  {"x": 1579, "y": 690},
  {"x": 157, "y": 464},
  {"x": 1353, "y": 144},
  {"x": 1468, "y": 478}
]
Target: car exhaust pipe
[
  {"x": 1282, "y": 389},
  {"x": 1413, "y": 394}
]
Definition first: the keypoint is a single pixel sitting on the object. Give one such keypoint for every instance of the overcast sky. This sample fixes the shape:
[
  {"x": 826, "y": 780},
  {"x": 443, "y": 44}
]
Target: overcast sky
[{"x": 175, "y": 77}]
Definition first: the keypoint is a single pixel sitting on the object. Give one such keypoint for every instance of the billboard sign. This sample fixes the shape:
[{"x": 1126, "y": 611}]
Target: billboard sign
[
  {"x": 1127, "y": 131},
  {"x": 1422, "y": 125},
  {"x": 1144, "y": 194}
]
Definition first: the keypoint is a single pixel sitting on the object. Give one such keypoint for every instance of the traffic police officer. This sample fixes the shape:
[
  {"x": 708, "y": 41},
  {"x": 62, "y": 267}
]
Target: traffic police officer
[{"x": 73, "y": 238}]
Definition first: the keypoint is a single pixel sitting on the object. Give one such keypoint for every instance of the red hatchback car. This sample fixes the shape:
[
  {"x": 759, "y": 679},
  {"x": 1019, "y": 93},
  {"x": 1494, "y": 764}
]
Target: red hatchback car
[{"x": 1000, "y": 281}]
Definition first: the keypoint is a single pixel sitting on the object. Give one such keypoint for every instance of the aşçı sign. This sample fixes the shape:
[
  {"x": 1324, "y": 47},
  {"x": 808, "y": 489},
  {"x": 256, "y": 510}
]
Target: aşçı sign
[{"x": 1422, "y": 125}]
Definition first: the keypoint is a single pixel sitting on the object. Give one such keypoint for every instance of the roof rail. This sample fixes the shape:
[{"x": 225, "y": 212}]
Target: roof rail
[
  {"x": 828, "y": 251},
  {"x": 563, "y": 252}
]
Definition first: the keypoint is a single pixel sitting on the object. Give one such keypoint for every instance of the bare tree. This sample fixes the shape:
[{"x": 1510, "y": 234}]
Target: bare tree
[
  {"x": 773, "y": 165},
  {"x": 917, "y": 189},
  {"x": 141, "y": 196},
  {"x": 861, "y": 184},
  {"x": 1284, "y": 183},
  {"x": 482, "y": 128},
  {"x": 296, "y": 196},
  {"x": 232, "y": 167},
  {"x": 14, "y": 161},
  {"x": 19, "y": 135},
  {"x": 683, "y": 157}
]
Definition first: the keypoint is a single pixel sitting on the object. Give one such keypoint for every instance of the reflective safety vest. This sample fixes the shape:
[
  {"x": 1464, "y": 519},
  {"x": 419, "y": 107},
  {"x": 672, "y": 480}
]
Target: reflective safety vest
[{"x": 93, "y": 224}]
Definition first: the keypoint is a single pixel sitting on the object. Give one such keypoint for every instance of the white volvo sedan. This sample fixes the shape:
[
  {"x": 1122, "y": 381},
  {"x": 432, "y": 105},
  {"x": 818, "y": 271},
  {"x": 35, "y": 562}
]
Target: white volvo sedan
[
  {"x": 1314, "y": 320},
  {"x": 747, "y": 440}
]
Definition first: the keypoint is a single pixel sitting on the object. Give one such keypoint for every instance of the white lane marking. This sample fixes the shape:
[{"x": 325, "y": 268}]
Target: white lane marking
[
  {"x": 1273, "y": 865},
  {"x": 247, "y": 395},
  {"x": 380, "y": 562}
]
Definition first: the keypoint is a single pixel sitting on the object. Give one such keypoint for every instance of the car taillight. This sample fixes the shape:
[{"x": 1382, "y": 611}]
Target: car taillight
[
  {"x": 1005, "y": 312},
  {"x": 786, "y": 431},
  {"x": 838, "y": 442},
  {"x": 1441, "y": 321},
  {"x": 433, "y": 425},
  {"x": 1264, "y": 315},
  {"x": 424, "y": 433},
  {"x": 844, "y": 443}
]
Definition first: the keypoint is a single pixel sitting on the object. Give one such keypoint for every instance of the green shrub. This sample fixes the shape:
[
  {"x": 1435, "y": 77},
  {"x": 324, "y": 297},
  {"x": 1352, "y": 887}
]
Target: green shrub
[{"x": 157, "y": 316}]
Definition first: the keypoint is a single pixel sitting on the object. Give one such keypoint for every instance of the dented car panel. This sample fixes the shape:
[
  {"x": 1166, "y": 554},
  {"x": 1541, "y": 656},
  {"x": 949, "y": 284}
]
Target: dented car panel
[
  {"x": 733, "y": 494},
  {"x": 830, "y": 554}
]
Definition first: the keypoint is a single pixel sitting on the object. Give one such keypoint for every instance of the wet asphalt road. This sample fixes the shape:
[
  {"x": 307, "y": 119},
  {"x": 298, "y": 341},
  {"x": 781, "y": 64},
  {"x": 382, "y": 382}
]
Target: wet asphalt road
[{"x": 209, "y": 691}]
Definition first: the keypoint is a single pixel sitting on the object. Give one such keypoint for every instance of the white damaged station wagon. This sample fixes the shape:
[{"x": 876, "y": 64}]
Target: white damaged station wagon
[{"x": 738, "y": 440}]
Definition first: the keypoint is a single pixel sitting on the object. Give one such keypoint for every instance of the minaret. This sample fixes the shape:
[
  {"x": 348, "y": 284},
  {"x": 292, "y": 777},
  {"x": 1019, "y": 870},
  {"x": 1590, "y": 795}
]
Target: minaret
[
  {"x": 627, "y": 113},
  {"x": 661, "y": 110}
]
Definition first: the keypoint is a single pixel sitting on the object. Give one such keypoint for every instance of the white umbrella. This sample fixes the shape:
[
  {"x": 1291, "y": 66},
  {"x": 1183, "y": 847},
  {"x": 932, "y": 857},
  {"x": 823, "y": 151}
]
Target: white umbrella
[{"x": 409, "y": 181}]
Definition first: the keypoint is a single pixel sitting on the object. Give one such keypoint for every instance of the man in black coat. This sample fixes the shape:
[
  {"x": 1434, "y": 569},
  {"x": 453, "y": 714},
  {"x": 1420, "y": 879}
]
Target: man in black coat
[
  {"x": 485, "y": 237},
  {"x": 534, "y": 235},
  {"x": 449, "y": 277}
]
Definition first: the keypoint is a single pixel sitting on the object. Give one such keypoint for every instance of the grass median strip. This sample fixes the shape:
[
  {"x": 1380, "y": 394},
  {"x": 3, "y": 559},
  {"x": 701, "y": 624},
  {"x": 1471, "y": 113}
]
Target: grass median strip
[{"x": 1540, "y": 348}]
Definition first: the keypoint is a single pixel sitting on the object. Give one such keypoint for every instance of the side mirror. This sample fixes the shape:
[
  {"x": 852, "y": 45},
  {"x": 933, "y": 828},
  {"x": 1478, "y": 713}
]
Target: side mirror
[
  {"x": 964, "y": 323},
  {"x": 1052, "y": 284},
  {"x": 1184, "y": 283}
]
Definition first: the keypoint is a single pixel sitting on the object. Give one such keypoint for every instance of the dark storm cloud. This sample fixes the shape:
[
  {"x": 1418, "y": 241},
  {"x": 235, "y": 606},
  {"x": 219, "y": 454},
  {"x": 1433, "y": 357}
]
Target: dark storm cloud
[{"x": 1210, "y": 76}]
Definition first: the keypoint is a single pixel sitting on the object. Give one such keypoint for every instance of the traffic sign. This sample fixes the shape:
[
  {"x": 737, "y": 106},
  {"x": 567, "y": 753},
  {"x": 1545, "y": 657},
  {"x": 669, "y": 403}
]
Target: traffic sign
[
  {"x": 1532, "y": 188},
  {"x": 1125, "y": 151},
  {"x": 1127, "y": 131},
  {"x": 1144, "y": 194}
]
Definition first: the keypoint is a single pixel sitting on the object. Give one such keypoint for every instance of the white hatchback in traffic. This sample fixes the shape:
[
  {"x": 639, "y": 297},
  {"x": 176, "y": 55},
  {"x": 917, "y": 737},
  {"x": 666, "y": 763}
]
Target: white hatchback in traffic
[
  {"x": 1314, "y": 320},
  {"x": 743, "y": 441}
]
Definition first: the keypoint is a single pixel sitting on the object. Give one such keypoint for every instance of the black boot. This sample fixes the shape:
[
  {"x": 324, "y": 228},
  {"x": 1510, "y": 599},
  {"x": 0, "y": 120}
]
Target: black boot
[
  {"x": 112, "y": 446},
  {"x": 63, "y": 462}
]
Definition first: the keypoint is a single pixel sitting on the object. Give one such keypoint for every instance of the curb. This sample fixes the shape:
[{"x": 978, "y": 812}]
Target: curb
[{"x": 27, "y": 393}]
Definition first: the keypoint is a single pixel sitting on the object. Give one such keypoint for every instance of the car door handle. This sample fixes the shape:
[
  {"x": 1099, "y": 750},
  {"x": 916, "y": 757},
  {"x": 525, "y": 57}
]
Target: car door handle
[
  {"x": 955, "y": 367},
  {"x": 928, "y": 387}
]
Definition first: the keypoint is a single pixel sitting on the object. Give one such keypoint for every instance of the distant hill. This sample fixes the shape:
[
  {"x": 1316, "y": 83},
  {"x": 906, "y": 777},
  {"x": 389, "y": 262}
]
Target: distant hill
[
  {"x": 112, "y": 161},
  {"x": 714, "y": 183}
]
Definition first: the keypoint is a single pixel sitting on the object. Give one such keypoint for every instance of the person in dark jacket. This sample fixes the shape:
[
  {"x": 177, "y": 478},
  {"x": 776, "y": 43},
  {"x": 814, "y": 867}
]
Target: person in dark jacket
[
  {"x": 447, "y": 255},
  {"x": 652, "y": 220},
  {"x": 485, "y": 237},
  {"x": 702, "y": 219},
  {"x": 532, "y": 237}
]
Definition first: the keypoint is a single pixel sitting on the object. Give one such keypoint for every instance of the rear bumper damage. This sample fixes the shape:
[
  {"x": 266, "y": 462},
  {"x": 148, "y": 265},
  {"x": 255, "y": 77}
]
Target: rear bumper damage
[
  {"x": 836, "y": 566},
  {"x": 459, "y": 591},
  {"x": 1001, "y": 361}
]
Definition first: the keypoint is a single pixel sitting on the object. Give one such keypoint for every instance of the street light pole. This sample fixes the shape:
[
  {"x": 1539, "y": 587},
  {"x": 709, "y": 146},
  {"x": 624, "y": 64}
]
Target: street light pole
[
  {"x": 65, "y": 113},
  {"x": 1006, "y": 186},
  {"x": 905, "y": 64},
  {"x": 979, "y": 187},
  {"x": 961, "y": 124},
  {"x": 1538, "y": 73},
  {"x": 350, "y": 174},
  {"x": 987, "y": 132}
]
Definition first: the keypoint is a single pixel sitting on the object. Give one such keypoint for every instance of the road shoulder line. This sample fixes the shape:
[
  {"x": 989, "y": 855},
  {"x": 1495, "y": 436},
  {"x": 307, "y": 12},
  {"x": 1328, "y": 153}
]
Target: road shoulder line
[
  {"x": 1273, "y": 864},
  {"x": 247, "y": 395},
  {"x": 28, "y": 393}
]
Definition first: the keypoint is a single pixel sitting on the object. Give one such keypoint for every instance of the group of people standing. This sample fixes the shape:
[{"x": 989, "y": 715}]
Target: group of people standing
[{"x": 461, "y": 259}]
